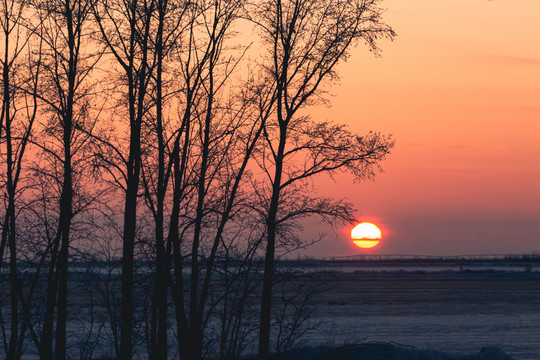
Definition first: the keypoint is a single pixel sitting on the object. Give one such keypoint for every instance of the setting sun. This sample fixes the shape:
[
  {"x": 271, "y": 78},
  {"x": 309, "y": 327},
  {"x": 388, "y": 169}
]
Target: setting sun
[{"x": 366, "y": 235}]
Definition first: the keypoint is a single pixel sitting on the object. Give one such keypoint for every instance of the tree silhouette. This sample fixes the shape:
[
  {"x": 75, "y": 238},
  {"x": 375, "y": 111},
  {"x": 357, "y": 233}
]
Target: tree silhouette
[
  {"x": 150, "y": 126},
  {"x": 125, "y": 30},
  {"x": 64, "y": 92},
  {"x": 305, "y": 39},
  {"x": 16, "y": 128}
]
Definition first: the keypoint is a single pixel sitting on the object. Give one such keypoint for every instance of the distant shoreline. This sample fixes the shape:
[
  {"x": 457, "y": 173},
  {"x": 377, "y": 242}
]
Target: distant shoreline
[{"x": 404, "y": 258}]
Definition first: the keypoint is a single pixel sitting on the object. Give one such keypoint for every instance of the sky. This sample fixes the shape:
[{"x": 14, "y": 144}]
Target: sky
[{"x": 459, "y": 90}]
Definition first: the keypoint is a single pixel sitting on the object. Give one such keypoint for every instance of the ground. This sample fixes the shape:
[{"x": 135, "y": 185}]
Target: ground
[{"x": 385, "y": 351}]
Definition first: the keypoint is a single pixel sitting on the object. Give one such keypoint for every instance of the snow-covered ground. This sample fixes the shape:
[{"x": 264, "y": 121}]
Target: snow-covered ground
[{"x": 454, "y": 312}]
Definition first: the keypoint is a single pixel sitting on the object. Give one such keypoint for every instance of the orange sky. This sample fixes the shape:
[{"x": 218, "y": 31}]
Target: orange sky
[{"x": 459, "y": 89}]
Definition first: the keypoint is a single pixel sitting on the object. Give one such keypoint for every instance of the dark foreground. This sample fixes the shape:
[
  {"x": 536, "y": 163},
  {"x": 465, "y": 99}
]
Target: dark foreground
[
  {"x": 457, "y": 312},
  {"x": 454, "y": 309},
  {"x": 385, "y": 351}
]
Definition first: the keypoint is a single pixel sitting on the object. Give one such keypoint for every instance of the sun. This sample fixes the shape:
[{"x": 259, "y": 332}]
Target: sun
[{"x": 366, "y": 235}]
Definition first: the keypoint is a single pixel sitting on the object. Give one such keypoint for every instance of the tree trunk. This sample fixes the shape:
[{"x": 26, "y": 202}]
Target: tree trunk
[
  {"x": 130, "y": 218},
  {"x": 14, "y": 279},
  {"x": 45, "y": 351},
  {"x": 130, "y": 222},
  {"x": 179, "y": 158},
  {"x": 66, "y": 197},
  {"x": 137, "y": 81},
  {"x": 194, "y": 311},
  {"x": 9, "y": 225},
  {"x": 268, "y": 277},
  {"x": 159, "y": 320},
  {"x": 63, "y": 258}
]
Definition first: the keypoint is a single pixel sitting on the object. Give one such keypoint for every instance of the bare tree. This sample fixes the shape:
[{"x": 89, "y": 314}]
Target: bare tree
[
  {"x": 126, "y": 30},
  {"x": 16, "y": 127},
  {"x": 158, "y": 344},
  {"x": 293, "y": 315},
  {"x": 198, "y": 145},
  {"x": 156, "y": 165},
  {"x": 305, "y": 39},
  {"x": 221, "y": 161},
  {"x": 65, "y": 92},
  {"x": 217, "y": 126}
]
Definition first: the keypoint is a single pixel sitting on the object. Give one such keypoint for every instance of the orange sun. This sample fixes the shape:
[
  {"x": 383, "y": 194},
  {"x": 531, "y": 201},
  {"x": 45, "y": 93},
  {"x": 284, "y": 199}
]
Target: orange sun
[{"x": 366, "y": 235}]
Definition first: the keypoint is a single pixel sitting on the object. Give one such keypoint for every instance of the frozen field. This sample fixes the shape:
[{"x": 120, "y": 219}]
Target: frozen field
[
  {"x": 446, "y": 307},
  {"x": 452, "y": 311}
]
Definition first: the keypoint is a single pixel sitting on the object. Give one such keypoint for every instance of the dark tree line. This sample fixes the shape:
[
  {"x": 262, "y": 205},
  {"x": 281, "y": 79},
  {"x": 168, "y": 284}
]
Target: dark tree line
[{"x": 157, "y": 159}]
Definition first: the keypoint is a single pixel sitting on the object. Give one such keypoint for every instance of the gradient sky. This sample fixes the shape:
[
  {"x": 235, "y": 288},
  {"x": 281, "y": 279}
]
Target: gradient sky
[{"x": 459, "y": 89}]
